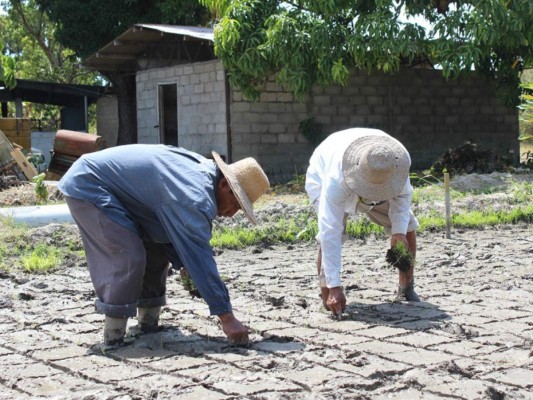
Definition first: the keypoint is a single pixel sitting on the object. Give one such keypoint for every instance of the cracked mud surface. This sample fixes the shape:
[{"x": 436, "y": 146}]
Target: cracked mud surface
[{"x": 471, "y": 337}]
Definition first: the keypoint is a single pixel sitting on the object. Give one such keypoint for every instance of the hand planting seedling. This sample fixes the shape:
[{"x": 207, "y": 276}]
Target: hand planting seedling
[{"x": 399, "y": 256}]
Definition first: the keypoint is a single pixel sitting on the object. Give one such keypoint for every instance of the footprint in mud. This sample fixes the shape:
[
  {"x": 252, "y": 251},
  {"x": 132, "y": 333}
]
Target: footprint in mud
[
  {"x": 495, "y": 394},
  {"x": 26, "y": 296},
  {"x": 275, "y": 301},
  {"x": 277, "y": 338},
  {"x": 459, "y": 330},
  {"x": 6, "y": 302}
]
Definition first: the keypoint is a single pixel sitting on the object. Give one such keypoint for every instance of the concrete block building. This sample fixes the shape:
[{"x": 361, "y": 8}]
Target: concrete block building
[{"x": 183, "y": 98}]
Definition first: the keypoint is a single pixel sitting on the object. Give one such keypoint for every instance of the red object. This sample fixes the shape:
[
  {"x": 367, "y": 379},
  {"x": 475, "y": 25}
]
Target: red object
[{"x": 74, "y": 143}]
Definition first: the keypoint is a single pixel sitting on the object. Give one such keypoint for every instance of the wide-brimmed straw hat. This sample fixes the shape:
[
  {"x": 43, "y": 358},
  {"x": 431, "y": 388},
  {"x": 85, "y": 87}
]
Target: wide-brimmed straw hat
[
  {"x": 376, "y": 167},
  {"x": 247, "y": 180}
]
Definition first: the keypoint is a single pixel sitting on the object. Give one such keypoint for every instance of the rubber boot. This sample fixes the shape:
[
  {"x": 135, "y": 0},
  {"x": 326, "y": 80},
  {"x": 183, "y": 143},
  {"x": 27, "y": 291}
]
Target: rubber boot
[
  {"x": 114, "y": 331},
  {"x": 408, "y": 293},
  {"x": 148, "y": 318}
]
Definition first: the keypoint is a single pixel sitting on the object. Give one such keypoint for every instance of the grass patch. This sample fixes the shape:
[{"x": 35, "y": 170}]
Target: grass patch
[
  {"x": 305, "y": 227},
  {"x": 280, "y": 231},
  {"x": 294, "y": 186},
  {"x": 42, "y": 259},
  {"x": 478, "y": 219},
  {"x": 19, "y": 251},
  {"x": 12, "y": 238},
  {"x": 362, "y": 228},
  {"x": 522, "y": 192}
]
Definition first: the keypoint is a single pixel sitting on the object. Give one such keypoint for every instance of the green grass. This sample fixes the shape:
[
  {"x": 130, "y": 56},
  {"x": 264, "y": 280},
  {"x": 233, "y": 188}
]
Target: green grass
[
  {"x": 42, "y": 259},
  {"x": 478, "y": 219},
  {"x": 363, "y": 228},
  {"x": 304, "y": 227},
  {"x": 522, "y": 192},
  {"x": 300, "y": 228},
  {"x": 17, "y": 252},
  {"x": 292, "y": 231}
]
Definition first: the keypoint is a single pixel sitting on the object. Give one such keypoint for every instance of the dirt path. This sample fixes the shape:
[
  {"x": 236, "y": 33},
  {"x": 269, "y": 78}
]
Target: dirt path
[{"x": 471, "y": 338}]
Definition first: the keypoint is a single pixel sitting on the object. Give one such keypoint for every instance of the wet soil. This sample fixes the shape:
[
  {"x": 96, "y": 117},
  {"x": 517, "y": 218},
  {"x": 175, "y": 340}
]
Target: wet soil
[{"x": 470, "y": 338}]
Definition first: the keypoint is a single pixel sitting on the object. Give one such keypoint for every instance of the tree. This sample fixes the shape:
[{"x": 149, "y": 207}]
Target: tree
[
  {"x": 7, "y": 63},
  {"x": 7, "y": 70},
  {"x": 29, "y": 38},
  {"x": 308, "y": 42},
  {"x": 218, "y": 7},
  {"x": 86, "y": 26}
]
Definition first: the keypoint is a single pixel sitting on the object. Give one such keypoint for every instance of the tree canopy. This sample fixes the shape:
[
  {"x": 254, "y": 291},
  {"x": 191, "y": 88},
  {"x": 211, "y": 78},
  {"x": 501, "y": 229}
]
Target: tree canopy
[
  {"x": 29, "y": 37},
  {"x": 308, "y": 42},
  {"x": 86, "y": 26},
  {"x": 7, "y": 69}
]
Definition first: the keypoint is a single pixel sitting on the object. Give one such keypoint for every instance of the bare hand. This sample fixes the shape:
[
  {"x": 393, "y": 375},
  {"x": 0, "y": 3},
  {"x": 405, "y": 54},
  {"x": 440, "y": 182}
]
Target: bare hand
[
  {"x": 236, "y": 332},
  {"x": 399, "y": 237},
  {"x": 336, "y": 300}
]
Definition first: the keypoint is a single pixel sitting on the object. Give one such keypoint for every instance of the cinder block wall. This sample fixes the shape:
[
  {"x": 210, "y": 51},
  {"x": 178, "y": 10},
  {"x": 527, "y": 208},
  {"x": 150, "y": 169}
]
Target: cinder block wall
[
  {"x": 201, "y": 105},
  {"x": 417, "y": 106},
  {"x": 268, "y": 131}
]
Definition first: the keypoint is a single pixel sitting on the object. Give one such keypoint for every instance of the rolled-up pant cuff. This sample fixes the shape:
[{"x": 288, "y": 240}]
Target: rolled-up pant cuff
[
  {"x": 152, "y": 302},
  {"x": 116, "y": 311}
]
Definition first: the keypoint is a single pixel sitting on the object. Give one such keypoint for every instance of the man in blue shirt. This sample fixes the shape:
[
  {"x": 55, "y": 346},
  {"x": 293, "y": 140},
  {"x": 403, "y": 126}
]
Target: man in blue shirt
[{"x": 139, "y": 207}]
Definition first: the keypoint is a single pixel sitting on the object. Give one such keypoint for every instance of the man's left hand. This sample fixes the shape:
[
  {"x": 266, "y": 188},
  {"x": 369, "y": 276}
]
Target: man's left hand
[{"x": 399, "y": 237}]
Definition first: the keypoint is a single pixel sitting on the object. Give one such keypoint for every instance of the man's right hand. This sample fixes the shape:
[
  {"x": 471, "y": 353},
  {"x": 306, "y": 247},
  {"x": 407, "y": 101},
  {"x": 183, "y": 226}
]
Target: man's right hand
[
  {"x": 236, "y": 332},
  {"x": 336, "y": 300}
]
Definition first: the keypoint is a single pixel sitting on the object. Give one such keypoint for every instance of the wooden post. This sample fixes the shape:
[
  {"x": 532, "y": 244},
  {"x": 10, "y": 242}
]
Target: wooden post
[{"x": 447, "y": 203}]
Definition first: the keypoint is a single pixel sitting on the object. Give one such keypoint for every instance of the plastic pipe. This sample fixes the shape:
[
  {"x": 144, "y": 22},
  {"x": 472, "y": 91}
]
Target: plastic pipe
[{"x": 34, "y": 216}]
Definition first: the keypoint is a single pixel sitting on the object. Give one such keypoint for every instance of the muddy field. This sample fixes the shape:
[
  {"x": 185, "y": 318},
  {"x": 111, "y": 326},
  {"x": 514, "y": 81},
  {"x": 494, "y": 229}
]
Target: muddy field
[{"x": 471, "y": 338}]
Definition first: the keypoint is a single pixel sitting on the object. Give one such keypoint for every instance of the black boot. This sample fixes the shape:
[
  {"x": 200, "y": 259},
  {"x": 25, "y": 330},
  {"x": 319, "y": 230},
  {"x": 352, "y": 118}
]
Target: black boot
[{"x": 407, "y": 293}]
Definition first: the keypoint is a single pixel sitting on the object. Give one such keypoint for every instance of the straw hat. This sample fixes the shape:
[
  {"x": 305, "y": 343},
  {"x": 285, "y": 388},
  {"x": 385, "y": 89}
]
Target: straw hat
[
  {"x": 247, "y": 181},
  {"x": 376, "y": 167}
]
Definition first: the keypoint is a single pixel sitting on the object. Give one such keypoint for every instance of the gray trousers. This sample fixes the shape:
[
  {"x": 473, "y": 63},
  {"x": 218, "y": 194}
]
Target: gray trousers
[{"x": 126, "y": 271}]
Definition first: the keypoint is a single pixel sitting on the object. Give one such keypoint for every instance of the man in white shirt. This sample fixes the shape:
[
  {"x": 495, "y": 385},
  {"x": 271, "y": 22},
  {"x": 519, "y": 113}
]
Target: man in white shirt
[{"x": 366, "y": 170}]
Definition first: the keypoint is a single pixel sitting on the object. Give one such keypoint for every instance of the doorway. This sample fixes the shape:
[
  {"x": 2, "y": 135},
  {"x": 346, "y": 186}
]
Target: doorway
[{"x": 168, "y": 114}]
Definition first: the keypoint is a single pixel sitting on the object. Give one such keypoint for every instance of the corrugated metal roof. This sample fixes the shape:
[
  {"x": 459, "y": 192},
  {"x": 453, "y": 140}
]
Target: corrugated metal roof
[
  {"x": 192, "y": 31},
  {"x": 61, "y": 94},
  {"x": 145, "y": 46}
]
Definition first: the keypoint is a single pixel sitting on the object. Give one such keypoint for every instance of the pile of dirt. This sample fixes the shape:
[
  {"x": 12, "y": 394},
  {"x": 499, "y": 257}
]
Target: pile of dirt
[
  {"x": 24, "y": 194},
  {"x": 470, "y": 158}
]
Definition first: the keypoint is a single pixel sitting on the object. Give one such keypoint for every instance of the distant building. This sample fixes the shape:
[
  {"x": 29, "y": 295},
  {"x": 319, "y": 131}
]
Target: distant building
[{"x": 183, "y": 98}]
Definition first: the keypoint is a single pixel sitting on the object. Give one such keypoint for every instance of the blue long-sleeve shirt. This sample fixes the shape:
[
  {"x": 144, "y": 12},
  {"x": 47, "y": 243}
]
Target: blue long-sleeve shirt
[{"x": 163, "y": 193}]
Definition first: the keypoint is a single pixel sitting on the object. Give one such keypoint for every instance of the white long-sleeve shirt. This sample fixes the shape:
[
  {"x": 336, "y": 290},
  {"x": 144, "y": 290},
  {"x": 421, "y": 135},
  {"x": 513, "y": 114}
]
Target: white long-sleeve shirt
[{"x": 326, "y": 189}]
